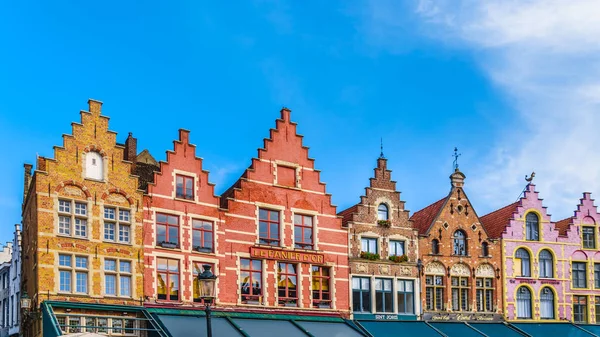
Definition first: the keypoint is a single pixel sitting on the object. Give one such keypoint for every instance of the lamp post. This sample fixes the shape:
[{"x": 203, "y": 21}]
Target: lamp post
[
  {"x": 206, "y": 286},
  {"x": 25, "y": 306}
]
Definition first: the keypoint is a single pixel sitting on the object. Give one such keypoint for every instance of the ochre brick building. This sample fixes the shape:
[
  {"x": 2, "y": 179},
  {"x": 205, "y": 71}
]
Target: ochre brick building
[
  {"x": 461, "y": 265},
  {"x": 383, "y": 252},
  {"x": 82, "y": 229},
  {"x": 282, "y": 245},
  {"x": 181, "y": 221}
]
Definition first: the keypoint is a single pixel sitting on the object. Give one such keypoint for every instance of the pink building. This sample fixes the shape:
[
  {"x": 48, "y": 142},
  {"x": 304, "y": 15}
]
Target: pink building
[
  {"x": 584, "y": 288},
  {"x": 537, "y": 259}
]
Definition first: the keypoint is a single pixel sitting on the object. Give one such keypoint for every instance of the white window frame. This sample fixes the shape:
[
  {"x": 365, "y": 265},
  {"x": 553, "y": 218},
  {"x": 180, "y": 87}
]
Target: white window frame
[
  {"x": 73, "y": 269},
  {"x": 118, "y": 223},
  {"x": 73, "y": 217},
  {"x": 118, "y": 273}
]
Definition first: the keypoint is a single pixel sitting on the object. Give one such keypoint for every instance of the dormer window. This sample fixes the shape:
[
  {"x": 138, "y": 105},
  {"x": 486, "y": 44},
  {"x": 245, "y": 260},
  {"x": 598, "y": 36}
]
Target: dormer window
[
  {"x": 382, "y": 212},
  {"x": 94, "y": 166}
]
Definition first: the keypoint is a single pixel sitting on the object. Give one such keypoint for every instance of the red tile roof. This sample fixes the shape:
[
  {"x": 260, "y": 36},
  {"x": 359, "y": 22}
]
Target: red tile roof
[
  {"x": 423, "y": 219},
  {"x": 563, "y": 225},
  {"x": 495, "y": 222},
  {"x": 347, "y": 214}
]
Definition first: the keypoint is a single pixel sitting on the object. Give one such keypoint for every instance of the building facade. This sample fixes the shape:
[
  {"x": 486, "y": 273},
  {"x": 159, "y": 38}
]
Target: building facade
[
  {"x": 14, "y": 292},
  {"x": 383, "y": 247},
  {"x": 583, "y": 263},
  {"x": 282, "y": 245},
  {"x": 182, "y": 222},
  {"x": 461, "y": 264},
  {"x": 7, "y": 302},
  {"x": 536, "y": 271},
  {"x": 82, "y": 232}
]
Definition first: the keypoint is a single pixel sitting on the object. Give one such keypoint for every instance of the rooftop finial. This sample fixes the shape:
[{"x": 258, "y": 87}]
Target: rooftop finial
[
  {"x": 381, "y": 154},
  {"x": 455, "y": 155},
  {"x": 530, "y": 179}
]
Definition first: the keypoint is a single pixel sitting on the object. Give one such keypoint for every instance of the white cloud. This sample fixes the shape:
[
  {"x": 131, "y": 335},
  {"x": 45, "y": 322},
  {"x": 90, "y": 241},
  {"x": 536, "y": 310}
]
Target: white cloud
[{"x": 545, "y": 56}]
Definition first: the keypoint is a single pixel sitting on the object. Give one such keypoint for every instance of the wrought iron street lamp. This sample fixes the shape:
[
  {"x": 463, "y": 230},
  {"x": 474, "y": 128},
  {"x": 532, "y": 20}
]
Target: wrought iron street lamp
[
  {"x": 25, "y": 302},
  {"x": 206, "y": 286}
]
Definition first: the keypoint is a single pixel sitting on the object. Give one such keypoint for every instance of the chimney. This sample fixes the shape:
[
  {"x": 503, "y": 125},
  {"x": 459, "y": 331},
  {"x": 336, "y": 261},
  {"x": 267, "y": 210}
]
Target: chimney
[
  {"x": 27, "y": 180},
  {"x": 457, "y": 178},
  {"x": 130, "y": 150}
]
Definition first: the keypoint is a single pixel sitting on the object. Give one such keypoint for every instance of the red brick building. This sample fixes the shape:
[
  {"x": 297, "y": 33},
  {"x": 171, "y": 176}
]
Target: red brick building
[
  {"x": 461, "y": 275},
  {"x": 283, "y": 244},
  {"x": 181, "y": 221}
]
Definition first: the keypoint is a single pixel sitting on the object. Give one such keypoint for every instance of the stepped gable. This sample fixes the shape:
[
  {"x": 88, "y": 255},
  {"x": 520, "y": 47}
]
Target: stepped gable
[
  {"x": 496, "y": 222},
  {"x": 586, "y": 214},
  {"x": 283, "y": 161}
]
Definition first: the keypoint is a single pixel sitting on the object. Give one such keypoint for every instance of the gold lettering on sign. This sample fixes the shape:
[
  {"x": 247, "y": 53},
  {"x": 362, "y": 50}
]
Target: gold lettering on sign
[{"x": 288, "y": 255}]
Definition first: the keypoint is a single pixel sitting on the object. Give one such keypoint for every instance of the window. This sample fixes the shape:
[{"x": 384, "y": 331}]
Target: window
[
  {"x": 198, "y": 269},
  {"x": 117, "y": 277},
  {"x": 597, "y": 277},
  {"x": 368, "y": 245},
  {"x": 94, "y": 166},
  {"x": 167, "y": 230},
  {"x": 251, "y": 281},
  {"x": 384, "y": 297},
  {"x": 524, "y": 303},
  {"x": 460, "y": 243},
  {"x": 546, "y": 264},
  {"x": 589, "y": 237},
  {"x": 532, "y": 227},
  {"x": 396, "y": 248},
  {"x": 361, "y": 294},
  {"x": 382, "y": 212},
  {"x": 168, "y": 279},
  {"x": 406, "y": 297},
  {"x": 90, "y": 324},
  {"x": 185, "y": 187},
  {"x": 268, "y": 232},
  {"x": 547, "y": 303},
  {"x": 579, "y": 275},
  {"x": 484, "y": 294},
  {"x": 580, "y": 309},
  {"x": 434, "y": 292},
  {"x": 73, "y": 277},
  {"x": 72, "y": 218},
  {"x": 460, "y": 293},
  {"x": 597, "y": 305},
  {"x": 435, "y": 247},
  {"x": 117, "y": 224},
  {"x": 202, "y": 236},
  {"x": 303, "y": 231},
  {"x": 320, "y": 287},
  {"x": 287, "y": 282},
  {"x": 485, "y": 251},
  {"x": 522, "y": 256}
]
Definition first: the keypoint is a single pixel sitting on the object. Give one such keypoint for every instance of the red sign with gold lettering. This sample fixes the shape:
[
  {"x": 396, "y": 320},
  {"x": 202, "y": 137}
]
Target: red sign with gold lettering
[{"x": 287, "y": 255}]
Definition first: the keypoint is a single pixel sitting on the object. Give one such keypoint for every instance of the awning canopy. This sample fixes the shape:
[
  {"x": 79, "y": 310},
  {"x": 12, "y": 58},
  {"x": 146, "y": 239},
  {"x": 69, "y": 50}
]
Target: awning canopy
[{"x": 553, "y": 329}]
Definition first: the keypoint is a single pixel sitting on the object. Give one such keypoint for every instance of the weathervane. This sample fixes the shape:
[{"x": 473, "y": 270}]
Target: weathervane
[
  {"x": 456, "y": 155},
  {"x": 381, "y": 154},
  {"x": 530, "y": 178}
]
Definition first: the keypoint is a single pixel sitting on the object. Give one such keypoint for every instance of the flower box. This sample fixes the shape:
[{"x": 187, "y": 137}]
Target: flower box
[
  {"x": 168, "y": 244},
  {"x": 384, "y": 223},
  {"x": 369, "y": 256},
  {"x": 399, "y": 259}
]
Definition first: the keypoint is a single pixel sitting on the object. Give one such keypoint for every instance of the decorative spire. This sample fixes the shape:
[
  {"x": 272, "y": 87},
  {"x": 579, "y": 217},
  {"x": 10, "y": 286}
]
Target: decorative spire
[
  {"x": 456, "y": 155},
  {"x": 381, "y": 154}
]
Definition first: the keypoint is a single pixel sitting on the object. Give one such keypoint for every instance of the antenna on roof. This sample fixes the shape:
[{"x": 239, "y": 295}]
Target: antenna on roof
[
  {"x": 456, "y": 155},
  {"x": 381, "y": 154}
]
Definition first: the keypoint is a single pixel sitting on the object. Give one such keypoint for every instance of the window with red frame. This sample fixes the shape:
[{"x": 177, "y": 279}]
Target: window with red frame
[
  {"x": 251, "y": 281},
  {"x": 268, "y": 231},
  {"x": 303, "y": 231},
  {"x": 167, "y": 229},
  {"x": 287, "y": 284},
  {"x": 197, "y": 271},
  {"x": 202, "y": 236},
  {"x": 320, "y": 287},
  {"x": 185, "y": 187},
  {"x": 167, "y": 283}
]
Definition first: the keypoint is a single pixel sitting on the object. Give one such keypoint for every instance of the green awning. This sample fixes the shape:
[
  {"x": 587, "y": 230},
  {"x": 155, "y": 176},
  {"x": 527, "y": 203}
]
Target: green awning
[
  {"x": 496, "y": 330},
  {"x": 595, "y": 329},
  {"x": 456, "y": 329},
  {"x": 399, "y": 329},
  {"x": 326, "y": 329},
  {"x": 185, "y": 326},
  {"x": 552, "y": 329},
  {"x": 268, "y": 327}
]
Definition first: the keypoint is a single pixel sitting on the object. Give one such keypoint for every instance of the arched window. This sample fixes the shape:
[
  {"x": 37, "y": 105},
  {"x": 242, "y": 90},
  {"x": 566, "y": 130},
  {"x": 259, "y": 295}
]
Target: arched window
[
  {"x": 382, "y": 212},
  {"x": 532, "y": 227},
  {"x": 547, "y": 303},
  {"x": 94, "y": 166},
  {"x": 525, "y": 265},
  {"x": 546, "y": 264},
  {"x": 485, "y": 251},
  {"x": 523, "y": 303},
  {"x": 435, "y": 246},
  {"x": 460, "y": 243}
]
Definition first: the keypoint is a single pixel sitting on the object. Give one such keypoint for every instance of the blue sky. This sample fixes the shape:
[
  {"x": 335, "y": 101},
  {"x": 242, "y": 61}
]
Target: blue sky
[{"x": 424, "y": 76}]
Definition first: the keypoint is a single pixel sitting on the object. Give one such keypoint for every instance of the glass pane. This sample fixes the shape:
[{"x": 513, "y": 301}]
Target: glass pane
[
  {"x": 263, "y": 214},
  {"x": 161, "y": 286},
  {"x": 174, "y": 235},
  {"x": 174, "y": 287},
  {"x": 274, "y": 216}
]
